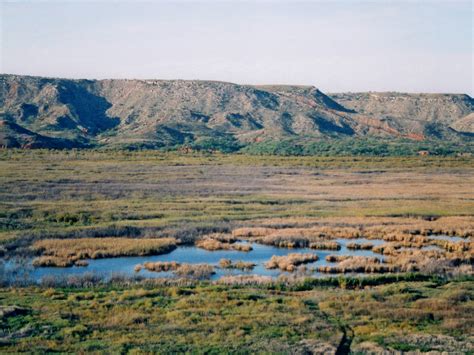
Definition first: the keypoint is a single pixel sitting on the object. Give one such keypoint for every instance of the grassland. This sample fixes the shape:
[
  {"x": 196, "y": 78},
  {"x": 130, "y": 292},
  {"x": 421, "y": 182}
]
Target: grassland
[
  {"x": 88, "y": 194},
  {"x": 205, "y": 318},
  {"x": 62, "y": 203}
]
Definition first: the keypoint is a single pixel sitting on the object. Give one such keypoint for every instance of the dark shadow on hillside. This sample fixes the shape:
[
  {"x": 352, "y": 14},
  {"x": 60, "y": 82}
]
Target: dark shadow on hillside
[
  {"x": 89, "y": 107},
  {"x": 329, "y": 127},
  {"x": 13, "y": 135}
]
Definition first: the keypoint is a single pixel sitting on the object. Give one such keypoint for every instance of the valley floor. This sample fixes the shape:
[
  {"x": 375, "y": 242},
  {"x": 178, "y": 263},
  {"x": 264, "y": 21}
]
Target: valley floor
[
  {"x": 132, "y": 200},
  {"x": 433, "y": 315}
]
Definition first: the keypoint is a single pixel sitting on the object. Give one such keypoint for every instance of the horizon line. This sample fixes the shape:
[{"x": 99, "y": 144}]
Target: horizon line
[{"x": 241, "y": 84}]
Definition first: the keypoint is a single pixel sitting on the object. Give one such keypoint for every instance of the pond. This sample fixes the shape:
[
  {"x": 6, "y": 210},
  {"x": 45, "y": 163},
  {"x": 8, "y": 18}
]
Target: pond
[{"x": 193, "y": 255}]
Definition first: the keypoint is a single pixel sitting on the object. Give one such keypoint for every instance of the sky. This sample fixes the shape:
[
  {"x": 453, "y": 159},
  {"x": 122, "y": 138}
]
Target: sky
[{"x": 409, "y": 46}]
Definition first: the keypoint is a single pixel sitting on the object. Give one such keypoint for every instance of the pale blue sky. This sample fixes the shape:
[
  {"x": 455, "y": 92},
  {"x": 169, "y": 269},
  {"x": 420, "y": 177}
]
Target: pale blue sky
[{"x": 414, "y": 46}]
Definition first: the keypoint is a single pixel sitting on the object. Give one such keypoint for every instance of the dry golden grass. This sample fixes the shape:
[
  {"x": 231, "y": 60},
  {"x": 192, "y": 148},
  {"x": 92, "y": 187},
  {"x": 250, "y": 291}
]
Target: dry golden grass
[
  {"x": 408, "y": 258},
  {"x": 358, "y": 264},
  {"x": 337, "y": 258},
  {"x": 454, "y": 246},
  {"x": 360, "y": 246},
  {"x": 406, "y": 239},
  {"x": 251, "y": 232},
  {"x": 195, "y": 271},
  {"x": 325, "y": 245},
  {"x": 213, "y": 245},
  {"x": 290, "y": 262},
  {"x": 222, "y": 237},
  {"x": 241, "y": 265},
  {"x": 388, "y": 228},
  {"x": 53, "y": 261},
  {"x": 66, "y": 252},
  {"x": 283, "y": 241},
  {"x": 402, "y": 259},
  {"x": 399, "y": 232},
  {"x": 160, "y": 266}
]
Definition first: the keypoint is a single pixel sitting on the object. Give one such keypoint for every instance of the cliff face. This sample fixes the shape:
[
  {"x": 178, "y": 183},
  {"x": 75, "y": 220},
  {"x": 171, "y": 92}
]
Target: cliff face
[
  {"x": 426, "y": 115},
  {"x": 60, "y": 112}
]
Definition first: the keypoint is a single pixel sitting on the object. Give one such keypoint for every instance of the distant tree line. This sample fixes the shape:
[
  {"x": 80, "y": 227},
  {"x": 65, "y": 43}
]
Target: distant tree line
[{"x": 371, "y": 146}]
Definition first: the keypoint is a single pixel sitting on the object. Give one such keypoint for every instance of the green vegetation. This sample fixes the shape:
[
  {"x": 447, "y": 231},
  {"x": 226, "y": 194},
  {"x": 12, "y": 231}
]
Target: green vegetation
[
  {"x": 209, "y": 318},
  {"x": 115, "y": 194},
  {"x": 370, "y": 146},
  {"x": 314, "y": 146},
  {"x": 224, "y": 144},
  {"x": 92, "y": 197}
]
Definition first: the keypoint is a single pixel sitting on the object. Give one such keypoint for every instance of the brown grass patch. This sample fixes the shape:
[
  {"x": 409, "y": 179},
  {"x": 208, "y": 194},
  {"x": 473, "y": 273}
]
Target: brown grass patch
[
  {"x": 160, "y": 266},
  {"x": 195, "y": 271},
  {"x": 290, "y": 262},
  {"x": 66, "y": 252},
  {"x": 241, "y": 265},
  {"x": 222, "y": 237},
  {"x": 213, "y": 245},
  {"x": 325, "y": 246},
  {"x": 359, "y": 246},
  {"x": 358, "y": 264}
]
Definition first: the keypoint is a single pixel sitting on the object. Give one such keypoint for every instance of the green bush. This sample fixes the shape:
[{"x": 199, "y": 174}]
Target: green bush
[{"x": 370, "y": 146}]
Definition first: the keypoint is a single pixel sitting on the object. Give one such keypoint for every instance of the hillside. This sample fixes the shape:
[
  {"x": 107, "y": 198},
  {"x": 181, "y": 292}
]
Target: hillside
[
  {"x": 48, "y": 112},
  {"x": 431, "y": 115}
]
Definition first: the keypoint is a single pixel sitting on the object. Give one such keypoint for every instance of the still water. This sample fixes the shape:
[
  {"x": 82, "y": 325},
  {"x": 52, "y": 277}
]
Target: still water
[{"x": 193, "y": 255}]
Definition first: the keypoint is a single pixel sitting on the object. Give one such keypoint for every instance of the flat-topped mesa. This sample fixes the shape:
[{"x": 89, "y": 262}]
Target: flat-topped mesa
[{"x": 161, "y": 113}]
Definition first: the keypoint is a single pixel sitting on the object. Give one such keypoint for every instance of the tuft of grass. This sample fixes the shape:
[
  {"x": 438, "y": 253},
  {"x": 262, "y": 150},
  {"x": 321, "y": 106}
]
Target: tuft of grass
[
  {"x": 195, "y": 271},
  {"x": 213, "y": 244},
  {"x": 241, "y": 265},
  {"x": 159, "y": 266},
  {"x": 290, "y": 262}
]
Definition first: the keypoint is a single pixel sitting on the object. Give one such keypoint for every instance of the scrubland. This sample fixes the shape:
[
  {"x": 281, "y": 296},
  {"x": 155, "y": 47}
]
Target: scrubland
[
  {"x": 62, "y": 208},
  {"x": 432, "y": 315}
]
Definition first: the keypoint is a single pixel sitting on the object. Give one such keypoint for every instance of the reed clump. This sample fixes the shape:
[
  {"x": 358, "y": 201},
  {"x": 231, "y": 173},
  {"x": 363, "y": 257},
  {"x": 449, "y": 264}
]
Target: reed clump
[
  {"x": 391, "y": 229},
  {"x": 161, "y": 266},
  {"x": 46, "y": 261},
  {"x": 454, "y": 246},
  {"x": 325, "y": 246},
  {"x": 241, "y": 265},
  {"x": 195, "y": 271},
  {"x": 242, "y": 247},
  {"x": 406, "y": 238},
  {"x": 336, "y": 258},
  {"x": 246, "y": 232},
  {"x": 360, "y": 246},
  {"x": 68, "y": 252},
  {"x": 290, "y": 262},
  {"x": 357, "y": 264},
  {"x": 385, "y": 249},
  {"x": 213, "y": 245},
  {"x": 222, "y": 237},
  {"x": 284, "y": 241}
]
